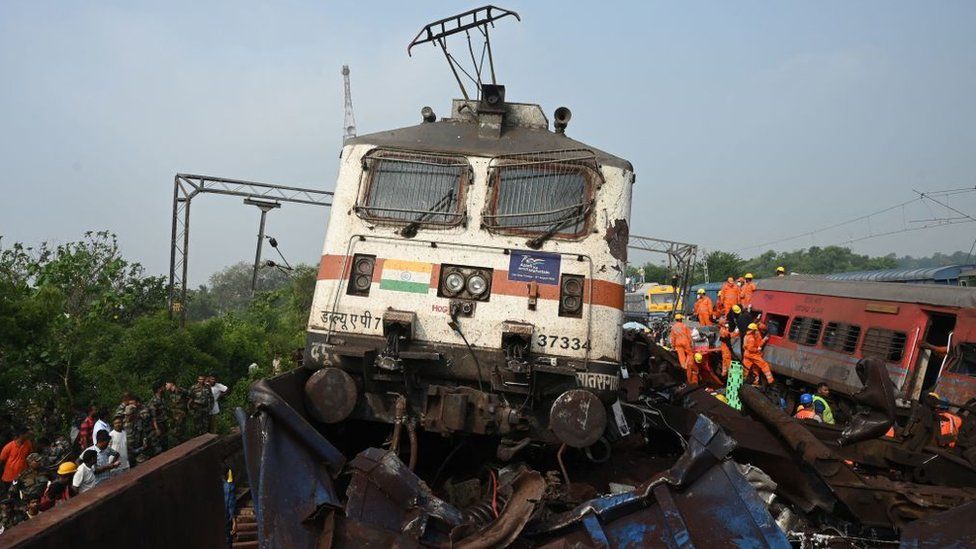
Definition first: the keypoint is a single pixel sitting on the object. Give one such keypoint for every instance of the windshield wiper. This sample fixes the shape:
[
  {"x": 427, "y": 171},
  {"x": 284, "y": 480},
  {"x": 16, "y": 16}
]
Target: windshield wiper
[
  {"x": 410, "y": 230},
  {"x": 560, "y": 224}
]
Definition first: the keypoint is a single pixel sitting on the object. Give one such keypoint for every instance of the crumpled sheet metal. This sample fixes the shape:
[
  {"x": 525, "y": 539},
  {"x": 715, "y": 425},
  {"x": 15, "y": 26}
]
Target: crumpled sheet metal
[
  {"x": 703, "y": 501},
  {"x": 290, "y": 466}
]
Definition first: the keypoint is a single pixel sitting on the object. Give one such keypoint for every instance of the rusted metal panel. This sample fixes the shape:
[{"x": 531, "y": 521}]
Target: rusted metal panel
[{"x": 173, "y": 500}]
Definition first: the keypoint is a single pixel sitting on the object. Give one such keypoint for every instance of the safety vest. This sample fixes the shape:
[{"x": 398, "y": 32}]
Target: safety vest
[
  {"x": 805, "y": 413},
  {"x": 950, "y": 427},
  {"x": 827, "y": 415}
]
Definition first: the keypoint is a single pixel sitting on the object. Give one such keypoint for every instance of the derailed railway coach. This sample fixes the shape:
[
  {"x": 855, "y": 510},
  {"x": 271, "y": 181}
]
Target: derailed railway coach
[
  {"x": 472, "y": 277},
  {"x": 819, "y": 329}
]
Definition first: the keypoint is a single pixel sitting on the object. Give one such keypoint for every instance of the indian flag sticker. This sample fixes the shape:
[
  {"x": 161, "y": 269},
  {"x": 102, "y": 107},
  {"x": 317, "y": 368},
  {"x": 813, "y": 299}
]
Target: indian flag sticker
[{"x": 405, "y": 276}]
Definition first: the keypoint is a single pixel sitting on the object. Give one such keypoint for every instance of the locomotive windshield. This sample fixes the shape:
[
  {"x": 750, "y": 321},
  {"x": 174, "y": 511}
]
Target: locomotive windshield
[
  {"x": 541, "y": 197},
  {"x": 414, "y": 188}
]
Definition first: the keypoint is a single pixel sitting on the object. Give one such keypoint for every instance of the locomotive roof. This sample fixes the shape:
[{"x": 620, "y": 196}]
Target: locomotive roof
[
  {"x": 926, "y": 294},
  {"x": 524, "y": 130}
]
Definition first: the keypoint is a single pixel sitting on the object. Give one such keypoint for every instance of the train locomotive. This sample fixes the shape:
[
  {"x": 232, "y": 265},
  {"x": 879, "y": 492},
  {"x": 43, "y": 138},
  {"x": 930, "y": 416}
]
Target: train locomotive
[{"x": 472, "y": 278}]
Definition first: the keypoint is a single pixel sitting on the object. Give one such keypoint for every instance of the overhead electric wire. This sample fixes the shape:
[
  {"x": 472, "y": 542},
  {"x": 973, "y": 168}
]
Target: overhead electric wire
[{"x": 921, "y": 198}]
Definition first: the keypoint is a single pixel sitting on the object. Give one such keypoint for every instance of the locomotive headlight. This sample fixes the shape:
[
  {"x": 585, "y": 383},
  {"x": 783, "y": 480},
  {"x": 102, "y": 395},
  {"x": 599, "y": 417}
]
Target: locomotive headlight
[
  {"x": 571, "y": 296},
  {"x": 454, "y": 283},
  {"x": 361, "y": 275},
  {"x": 477, "y": 284}
]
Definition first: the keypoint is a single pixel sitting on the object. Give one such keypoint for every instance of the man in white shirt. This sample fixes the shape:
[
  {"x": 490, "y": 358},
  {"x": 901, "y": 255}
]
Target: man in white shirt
[
  {"x": 218, "y": 390},
  {"x": 119, "y": 443},
  {"x": 100, "y": 424},
  {"x": 84, "y": 478}
]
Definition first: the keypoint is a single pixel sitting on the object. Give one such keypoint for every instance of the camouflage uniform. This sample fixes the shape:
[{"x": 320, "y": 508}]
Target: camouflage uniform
[
  {"x": 119, "y": 412},
  {"x": 150, "y": 442},
  {"x": 200, "y": 406},
  {"x": 11, "y": 516},
  {"x": 159, "y": 414},
  {"x": 176, "y": 417},
  {"x": 31, "y": 483},
  {"x": 56, "y": 453},
  {"x": 133, "y": 435}
]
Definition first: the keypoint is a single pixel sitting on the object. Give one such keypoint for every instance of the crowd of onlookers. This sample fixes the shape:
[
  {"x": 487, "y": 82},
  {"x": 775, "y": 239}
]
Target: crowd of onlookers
[{"x": 39, "y": 474}]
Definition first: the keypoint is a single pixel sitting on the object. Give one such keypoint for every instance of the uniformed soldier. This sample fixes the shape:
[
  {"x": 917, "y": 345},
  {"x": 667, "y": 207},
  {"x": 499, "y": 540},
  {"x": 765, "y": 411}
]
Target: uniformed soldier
[
  {"x": 158, "y": 408},
  {"x": 200, "y": 405},
  {"x": 176, "y": 417},
  {"x": 32, "y": 480},
  {"x": 150, "y": 438},
  {"x": 10, "y": 516},
  {"x": 56, "y": 452}
]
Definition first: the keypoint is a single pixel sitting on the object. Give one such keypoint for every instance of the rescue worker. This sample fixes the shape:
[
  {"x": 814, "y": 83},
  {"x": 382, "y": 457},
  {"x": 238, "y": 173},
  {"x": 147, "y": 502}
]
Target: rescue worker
[
  {"x": 681, "y": 339},
  {"x": 692, "y": 367},
  {"x": 176, "y": 413},
  {"x": 725, "y": 343},
  {"x": 805, "y": 409},
  {"x": 820, "y": 404},
  {"x": 745, "y": 293},
  {"x": 949, "y": 424},
  {"x": 780, "y": 272},
  {"x": 32, "y": 480},
  {"x": 752, "y": 358},
  {"x": 728, "y": 296},
  {"x": 703, "y": 308},
  {"x": 150, "y": 439},
  {"x": 158, "y": 407}
]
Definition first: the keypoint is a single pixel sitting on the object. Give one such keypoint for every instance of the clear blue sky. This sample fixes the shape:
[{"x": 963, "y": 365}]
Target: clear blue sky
[{"x": 784, "y": 116}]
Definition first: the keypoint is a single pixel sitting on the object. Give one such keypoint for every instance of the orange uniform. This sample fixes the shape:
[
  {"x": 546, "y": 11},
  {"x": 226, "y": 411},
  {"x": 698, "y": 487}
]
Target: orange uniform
[
  {"x": 752, "y": 355},
  {"x": 703, "y": 310},
  {"x": 725, "y": 343},
  {"x": 745, "y": 293},
  {"x": 728, "y": 296},
  {"x": 950, "y": 424},
  {"x": 691, "y": 369},
  {"x": 681, "y": 341},
  {"x": 805, "y": 413}
]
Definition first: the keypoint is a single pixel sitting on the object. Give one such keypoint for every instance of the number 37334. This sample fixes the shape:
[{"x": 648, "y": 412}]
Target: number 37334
[{"x": 545, "y": 341}]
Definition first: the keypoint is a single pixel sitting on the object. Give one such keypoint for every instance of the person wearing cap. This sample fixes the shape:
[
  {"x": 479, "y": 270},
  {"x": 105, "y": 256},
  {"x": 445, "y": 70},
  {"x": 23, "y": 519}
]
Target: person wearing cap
[
  {"x": 60, "y": 488},
  {"x": 728, "y": 296},
  {"x": 703, "y": 308},
  {"x": 32, "y": 480},
  {"x": 681, "y": 338},
  {"x": 805, "y": 409},
  {"x": 13, "y": 458},
  {"x": 725, "y": 343},
  {"x": 740, "y": 320},
  {"x": 692, "y": 367},
  {"x": 149, "y": 441},
  {"x": 745, "y": 292},
  {"x": 780, "y": 272},
  {"x": 200, "y": 406},
  {"x": 752, "y": 358}
]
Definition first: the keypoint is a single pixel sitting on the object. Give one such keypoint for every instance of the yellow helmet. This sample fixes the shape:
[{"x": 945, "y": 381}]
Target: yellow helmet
[
  {"x": 698, "y": 357},
  {"x": 748, "y": 276},
  {"x": 67, "y": 468},
  {"x": 701, "y": 290},
  {"x": 679, "y": 316},
  {"x": 752, "y": 326},
  {"x": 780, "y": 269},
  {"x": 736, "y": 309}
]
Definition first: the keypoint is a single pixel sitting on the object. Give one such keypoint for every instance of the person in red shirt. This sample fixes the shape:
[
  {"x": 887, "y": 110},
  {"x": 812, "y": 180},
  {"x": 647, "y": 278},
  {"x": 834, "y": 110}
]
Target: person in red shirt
[
  {"x": 13, "y": 458},
  {"x": 85, "y": 439}
]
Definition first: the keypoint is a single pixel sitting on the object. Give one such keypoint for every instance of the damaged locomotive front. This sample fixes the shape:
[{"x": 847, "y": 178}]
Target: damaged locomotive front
[{"x": 472, "y": 278}]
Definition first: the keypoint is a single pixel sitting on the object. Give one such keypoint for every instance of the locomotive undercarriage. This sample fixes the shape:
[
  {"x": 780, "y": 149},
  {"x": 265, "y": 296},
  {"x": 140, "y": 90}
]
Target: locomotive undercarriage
[{"x": 441, "y": 388}]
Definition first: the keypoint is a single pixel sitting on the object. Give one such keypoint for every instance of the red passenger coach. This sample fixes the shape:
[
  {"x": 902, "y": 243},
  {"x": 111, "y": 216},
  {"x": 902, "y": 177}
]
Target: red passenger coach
[{"x": 819, "y": 329}]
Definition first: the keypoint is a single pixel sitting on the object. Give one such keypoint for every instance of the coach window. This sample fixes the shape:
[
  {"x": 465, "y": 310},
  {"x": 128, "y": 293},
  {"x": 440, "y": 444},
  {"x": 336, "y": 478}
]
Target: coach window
[
  {"x": 963, "y": 359},
  {"x": 884, "y": 344},
  {"x": 841, "y": 337},
  {"x": 805, "y": 330},
  {"x": 414, "y": 189},
  {"x": 551, "y": 197},
  {"x": 776, "y": 324}
]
